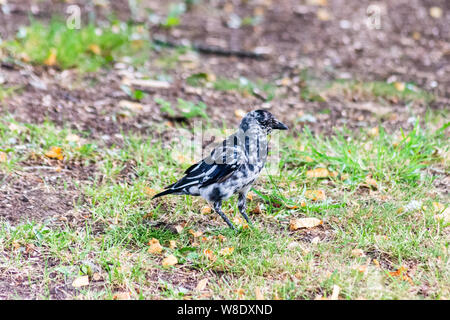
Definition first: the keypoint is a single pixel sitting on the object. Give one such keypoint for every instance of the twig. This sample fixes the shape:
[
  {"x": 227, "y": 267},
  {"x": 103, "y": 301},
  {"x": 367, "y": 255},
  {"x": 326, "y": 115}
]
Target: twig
[{"x": 211, "y": 49}]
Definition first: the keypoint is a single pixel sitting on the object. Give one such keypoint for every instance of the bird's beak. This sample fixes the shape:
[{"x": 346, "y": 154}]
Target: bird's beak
[{"x": 279, "y": 125}]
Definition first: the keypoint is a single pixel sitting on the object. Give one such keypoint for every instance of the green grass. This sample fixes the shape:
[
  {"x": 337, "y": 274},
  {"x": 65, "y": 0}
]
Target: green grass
[
  {"x": 113, "y": 241},
  {"x": 88, "y": 48}
]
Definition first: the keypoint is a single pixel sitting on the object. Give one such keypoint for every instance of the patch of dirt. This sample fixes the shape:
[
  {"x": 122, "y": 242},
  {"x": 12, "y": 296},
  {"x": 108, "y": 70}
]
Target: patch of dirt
[{"x": 42, "y": 192}]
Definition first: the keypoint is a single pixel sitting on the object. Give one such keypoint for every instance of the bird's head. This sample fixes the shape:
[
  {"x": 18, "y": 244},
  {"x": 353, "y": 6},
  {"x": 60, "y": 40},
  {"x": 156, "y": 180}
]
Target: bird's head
[{"x": 262, "y": 118}]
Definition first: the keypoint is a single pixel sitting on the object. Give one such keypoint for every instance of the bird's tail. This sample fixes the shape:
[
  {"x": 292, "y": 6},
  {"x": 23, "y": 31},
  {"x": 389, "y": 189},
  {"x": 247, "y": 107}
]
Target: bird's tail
[{"x": 169, "y": 191}]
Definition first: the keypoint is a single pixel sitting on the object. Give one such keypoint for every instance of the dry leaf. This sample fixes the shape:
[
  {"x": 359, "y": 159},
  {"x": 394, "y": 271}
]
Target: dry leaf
[
  {"x": 226, "y": 251},
  {"x": 222, "y": 238},
  {"x": 206, "y": 210},
  {"x": 51, "y": 59},
  {"x": 335, "y": 294},
  {"x": 130, "y": 105},
  {"x": 250, "y": 196},
  {"x": 358, "y": 253},
  {"x": 3, "y": 157},
  {"x": 399, "y": 86},
  {"x": 371, "y": 182},
  {"x": 317, "y": 173},
  {"x": 72, "y": 138},
  {"x": 122, "y": 296},
  {"x": 240, "y": 293},
  {"x": 155, "y": 246},
  {"x": 308, "y": 223},
  {"x": 401, "y": 273},
  {"x": 201, "y": 285},
  {"x": 95, "y": 49},
  {"x": 258, "y": 293},
  {"x": 436, "y": 12},
  {"x": 315, "y": 195},
  {"x": 323, "y": 14},
  {"x": 196, "y": 234},
  {"x": 149, "y": 83},
  {"x": 172, "y": 244},
  {"x": 239, "y": 113},
  {"x": 81, "y": 282},
  {"x": 55, "y": 153},
  {"x": 170, "y": 260},
  {"x": 373, "y": 132},
  {"x": 209, "y": 254},
  {"x": 179, "y": 228},
  {"x": 257, "y": 209}
]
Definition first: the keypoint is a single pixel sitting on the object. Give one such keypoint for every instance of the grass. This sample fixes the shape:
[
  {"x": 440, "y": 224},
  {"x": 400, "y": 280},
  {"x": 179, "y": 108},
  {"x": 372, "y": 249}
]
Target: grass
[
  {"x": 87, "y": 49},
  {"x": 270, "y": 259}
]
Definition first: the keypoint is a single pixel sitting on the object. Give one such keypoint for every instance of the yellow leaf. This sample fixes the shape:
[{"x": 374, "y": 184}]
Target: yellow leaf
[
  {"x": 315, "y": 195},
  {"x": 240, "y": 292},
  {"x": 122, "y": 296},
  {"x": 206, "y": 210},
  {"x": 358, "y": 253},
  {"x": 400, "y": 86},
  {"x": 155, "y": 246},
  {"x": 323, "y": 14},
  {"x": 81, "y": 282},
  {"x": 170, "y": 260},
  {"x": 373, "y": 132},
  {"x": 308, "y": 223},
  {"x": 436, "y": 12},
  {"x": 55, "y": 153},
  {"x": 371, "y": 182},
  {"x": 201, "y": 285},
  {"x": 226, "y": 251},
  {"x": 95, "y": 49},
  {"x": 196, "y": 234},
  {"x": 335, "y": 294},
  {"x": 3, "y": 157},
  {"x": 172, "y": 244},
  {"x": 239, "y": 113},
  {"x": 209, "y": 254},
  {"x": 317, "y": 173},
  {"x": 258, "y": 293},
  {"x": 51, "y": 59}
]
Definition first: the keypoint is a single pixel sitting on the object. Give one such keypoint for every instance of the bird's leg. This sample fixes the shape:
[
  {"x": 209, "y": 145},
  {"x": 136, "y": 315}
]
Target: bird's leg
[
  {"x": 218, "y": 209},
  {"x": 242, "y": 205}
]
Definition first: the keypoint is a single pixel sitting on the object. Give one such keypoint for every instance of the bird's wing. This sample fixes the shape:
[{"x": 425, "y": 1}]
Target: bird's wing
[{"x": 222, "y": 162}]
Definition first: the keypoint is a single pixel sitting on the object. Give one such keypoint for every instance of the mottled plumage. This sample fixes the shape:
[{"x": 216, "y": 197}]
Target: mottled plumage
[{"x": 232, "y": 167}]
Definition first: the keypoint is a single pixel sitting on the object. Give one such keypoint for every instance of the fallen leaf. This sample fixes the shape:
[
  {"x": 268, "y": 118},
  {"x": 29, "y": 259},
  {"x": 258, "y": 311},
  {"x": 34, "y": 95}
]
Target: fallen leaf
[
  {"x": 149, "y": 83},
  {"x": 300, "y": 223},
  {"x": 130, "y": 105},
  {"x": 239, "y": 113},
  {"x": 170, "y": 260},
  {"x": 155, "y": 246},
  {"x": 206, "y": 210},
  {"x": 226, "y": 251},
  {"x": 257, "y": 209},
  {"x": 3, "y": 157},
  {"x": 372, "y": 182},
  {"x": 240, "y": 292},
  {"x": 179, "y": 228},
  {"x": 149, "y": 191},
  {"x": 209, "y": 254},
  {"x": 250, "y": 196},
  {"x": 196, "y": 234},
  {"x": 81, "y": 282},
  {"x": 55, "y": 153},
  {"x": 258, "y": 294},
  {"x": 401, "y": 273},
  {"x": 335, "y": 294},
  {"x": 315, "y": 195},
  {"x": 399, "y": 86},
  {"x": 95, "y": 49},
  {"x": 222, "y": 238},
  {"x": 317, "y": 173},
  {"x": 374, "y": 132},
  {"x": 172, "y": 244},
  {"x": 51, "y": 59},
  {"x": 201, "y": 285},
  {"x": 358, "y": 253},
  {"x": 73, "y": 138},
  {"x": 122, "y": 296},
  {"x": 323, "y": 14},
  {"x": 436, "y": 12}
]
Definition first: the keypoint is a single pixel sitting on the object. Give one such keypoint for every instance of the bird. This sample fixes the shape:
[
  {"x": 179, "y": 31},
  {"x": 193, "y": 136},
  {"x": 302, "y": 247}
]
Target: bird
[{"x": 232, "y": 166}]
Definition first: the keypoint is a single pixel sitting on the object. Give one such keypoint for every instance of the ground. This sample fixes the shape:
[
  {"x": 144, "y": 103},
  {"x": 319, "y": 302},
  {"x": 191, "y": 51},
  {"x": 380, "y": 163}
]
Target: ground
[{"x": 87, "y": 136}]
